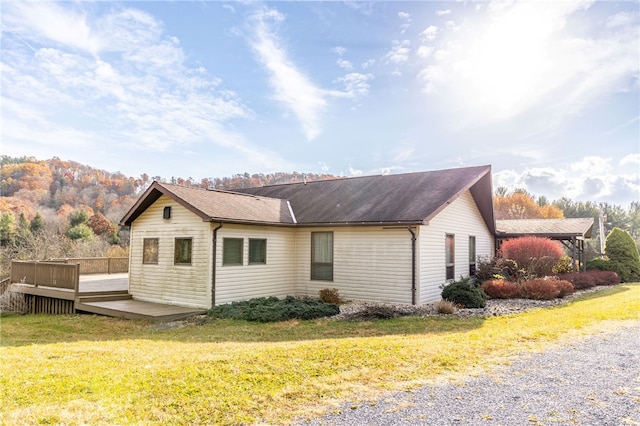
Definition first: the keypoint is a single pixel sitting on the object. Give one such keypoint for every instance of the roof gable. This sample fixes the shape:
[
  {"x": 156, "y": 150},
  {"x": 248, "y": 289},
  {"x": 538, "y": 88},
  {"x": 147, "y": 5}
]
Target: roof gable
[{"x": 215, "y": 205}]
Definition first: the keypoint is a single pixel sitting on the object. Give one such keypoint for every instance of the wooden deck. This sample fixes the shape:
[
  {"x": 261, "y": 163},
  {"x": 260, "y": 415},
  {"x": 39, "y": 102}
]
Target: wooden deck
[{"x": 103, "y": 294}]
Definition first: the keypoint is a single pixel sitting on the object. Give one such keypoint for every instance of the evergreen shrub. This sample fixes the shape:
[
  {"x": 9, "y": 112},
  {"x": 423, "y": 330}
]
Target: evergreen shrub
[
  {"x": 622, "y": 252},
  {"x": 272, "y": 309},
  {"x": 465, "y": 294}
]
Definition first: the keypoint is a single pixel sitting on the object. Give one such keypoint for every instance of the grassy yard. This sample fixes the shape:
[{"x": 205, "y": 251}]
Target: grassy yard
[{"x": 95, "y": 370}]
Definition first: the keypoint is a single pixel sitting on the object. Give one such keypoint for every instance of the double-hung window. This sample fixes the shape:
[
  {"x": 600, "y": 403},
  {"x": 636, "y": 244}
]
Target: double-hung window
[
  {"x": 322, "y": 256},
  {"x": 472, "y": 256},
  {"x": 450, "y": 256}
]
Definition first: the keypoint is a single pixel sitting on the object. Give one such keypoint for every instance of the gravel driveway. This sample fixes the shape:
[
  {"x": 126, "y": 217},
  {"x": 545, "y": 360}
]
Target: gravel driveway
[{"x": 592, "y": 381}]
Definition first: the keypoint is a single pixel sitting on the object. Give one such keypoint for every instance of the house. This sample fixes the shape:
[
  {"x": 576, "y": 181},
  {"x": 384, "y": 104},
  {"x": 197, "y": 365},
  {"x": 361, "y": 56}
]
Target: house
[{"x": 393, "y": 238}]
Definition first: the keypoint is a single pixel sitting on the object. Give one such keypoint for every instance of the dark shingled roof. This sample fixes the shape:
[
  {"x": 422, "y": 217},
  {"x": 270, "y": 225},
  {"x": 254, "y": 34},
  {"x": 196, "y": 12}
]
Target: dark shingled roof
[
  {"x": 403, "y": 199},
  {"x": 410, "y": 198},
  {"x": 216, "y": 206},
  {"x": 550, "y": 228}
]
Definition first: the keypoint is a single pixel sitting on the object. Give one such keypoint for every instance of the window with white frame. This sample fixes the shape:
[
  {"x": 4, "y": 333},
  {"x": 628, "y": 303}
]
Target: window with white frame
[{"x": 450, "y": 256}]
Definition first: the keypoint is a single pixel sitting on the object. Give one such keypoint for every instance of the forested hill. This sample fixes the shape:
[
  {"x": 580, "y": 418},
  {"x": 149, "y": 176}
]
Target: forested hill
[{"x": 28, "y": 186}]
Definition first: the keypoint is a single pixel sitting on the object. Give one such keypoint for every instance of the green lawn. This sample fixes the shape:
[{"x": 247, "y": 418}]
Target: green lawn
[{"x": 81, "y": 369}]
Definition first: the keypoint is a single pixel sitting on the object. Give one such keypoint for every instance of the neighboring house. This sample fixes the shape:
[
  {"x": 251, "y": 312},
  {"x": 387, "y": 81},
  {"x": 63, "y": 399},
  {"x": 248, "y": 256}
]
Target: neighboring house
[{"x": 394, "y": 238}]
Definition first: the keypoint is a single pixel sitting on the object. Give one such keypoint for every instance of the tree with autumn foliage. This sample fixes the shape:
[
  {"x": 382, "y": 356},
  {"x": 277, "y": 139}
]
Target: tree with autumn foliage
[{"x": 519, "y": 204}]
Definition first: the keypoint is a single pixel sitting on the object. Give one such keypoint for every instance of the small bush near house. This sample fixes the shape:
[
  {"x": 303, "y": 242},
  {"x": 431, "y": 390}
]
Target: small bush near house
[
  {"x": 330, "y": 295},
  {"x": 604, "y": 277},
  {"x": 501, "y": 289},
  {"x": 465, "y": 294},
  {"x": 272, "y": 309},
  {"x": 445, "y": 307},
  {"x": 540, "y": 289},
  {"x": 565, "y": 287},
  {"x": 592, "y": 278},
  {"x": 498, "y": 268},
  {"x": 535, "y": 255},
  {"x": 564, "y": 265},
  {"x": 580, "y": 280}
]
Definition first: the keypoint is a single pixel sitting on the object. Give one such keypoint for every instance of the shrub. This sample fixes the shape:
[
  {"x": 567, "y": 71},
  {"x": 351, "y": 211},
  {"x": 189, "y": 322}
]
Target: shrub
[
  {"x": 580, "y": 280},
  {"x": 501, "y": 289},
  {"x": 13, "y": 302},
  {"x": 330, "y": 295},
  {"x": 465, "y": 294},
  {"x": 445, "y": 307},
  {"x": 622, "y": 252},
  {"x": 589, "y": 279},
  {"x": 565, "y": 287},
  {"x": 605, "y": 277},
  {"x": 564, "y": 265},
  {"x": 535, "y": 255},
  {"x": 375, "y": 312},
  {"x": 272, "y": 309},
  {"x": 540, "y": 289},
  {"x": 498, "y": 268}
]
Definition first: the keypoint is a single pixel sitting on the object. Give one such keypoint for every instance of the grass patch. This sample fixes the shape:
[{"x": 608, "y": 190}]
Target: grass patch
[{"x": 96, "y": 370}]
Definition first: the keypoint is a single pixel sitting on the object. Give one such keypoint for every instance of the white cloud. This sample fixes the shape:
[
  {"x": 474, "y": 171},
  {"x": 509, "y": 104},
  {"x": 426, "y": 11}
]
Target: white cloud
[
  {"x": 430, "y": 32},
  {"x": 589, "y": 179},
  {"x": 339, "y": 50},
  {"x": 425, "y": 51},
  {"x": 294, "y": 89},
  {"x": 355, "y": 84},
  {"x": 399, "y": 52},
  {"x": 354, "y": 172},
  {"x": 368, "y": 64},
  {"x": 443, "y": 12},
  {"x": 404, "y": 15},
  {"x": 343, "y": 63},
  {"x": 631, "y": 159}
]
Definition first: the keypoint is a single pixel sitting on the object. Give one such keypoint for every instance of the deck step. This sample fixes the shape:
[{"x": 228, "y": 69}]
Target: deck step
[{"x": 105, "y": 296}]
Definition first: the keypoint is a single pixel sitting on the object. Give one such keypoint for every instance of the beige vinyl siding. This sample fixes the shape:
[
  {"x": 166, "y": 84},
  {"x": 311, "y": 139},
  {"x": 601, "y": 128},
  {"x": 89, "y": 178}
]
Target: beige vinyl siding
[
  {"x": 369, "y": 263},
  {"x": 241, "y": 282},
  {"x": 462, "y": 219},
  {"x": 185, "y": 285}
]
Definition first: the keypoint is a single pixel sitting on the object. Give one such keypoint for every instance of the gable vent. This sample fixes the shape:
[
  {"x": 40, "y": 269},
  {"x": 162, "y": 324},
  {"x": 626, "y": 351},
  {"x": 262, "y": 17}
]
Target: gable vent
[{"x": 166, "y": 213}]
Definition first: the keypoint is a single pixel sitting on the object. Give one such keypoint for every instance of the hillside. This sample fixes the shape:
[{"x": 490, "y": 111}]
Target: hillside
[{"x": 29, "y": 186}]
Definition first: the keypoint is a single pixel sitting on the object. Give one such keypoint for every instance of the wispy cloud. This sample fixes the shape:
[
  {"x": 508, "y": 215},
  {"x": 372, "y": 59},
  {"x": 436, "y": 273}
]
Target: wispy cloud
[
  {"x": 114, "y": 78},
  {"x": 292, "y": 87}
]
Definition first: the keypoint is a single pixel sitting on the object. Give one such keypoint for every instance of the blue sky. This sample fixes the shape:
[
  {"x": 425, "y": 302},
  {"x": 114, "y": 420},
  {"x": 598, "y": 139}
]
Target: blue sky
[{"x": 545, "y": 92}]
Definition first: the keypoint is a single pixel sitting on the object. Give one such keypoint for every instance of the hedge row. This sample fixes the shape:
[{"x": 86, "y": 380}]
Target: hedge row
[{"x": 550, "y": 287}]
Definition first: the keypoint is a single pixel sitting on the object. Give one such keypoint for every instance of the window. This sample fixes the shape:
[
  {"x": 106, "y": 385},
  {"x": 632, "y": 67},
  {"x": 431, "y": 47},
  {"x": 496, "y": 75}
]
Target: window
[
  {"x": 450, "y": 255},
  {"x": 322, "y": 256},
  {"x": 257, "y": 252},
  {"x": 166, "y": 212},
  {"x": 182, "y": 251},
  {"x": 150, "y": 250},
  {"x": 232, "y": 251},
  {"x": 472, "y": 256}
]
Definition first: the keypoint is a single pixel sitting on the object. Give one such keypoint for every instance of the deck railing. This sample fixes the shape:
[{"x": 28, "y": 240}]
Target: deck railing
[
  {"x": 47, "y": 274},
  {"x": 97, "y": 265}
]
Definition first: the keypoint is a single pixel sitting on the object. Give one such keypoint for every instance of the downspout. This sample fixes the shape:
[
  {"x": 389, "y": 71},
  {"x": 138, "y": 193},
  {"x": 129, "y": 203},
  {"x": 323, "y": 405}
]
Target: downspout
[
  {"x": 413, "y": 266},
  {"x": 213, "y": 265}
]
